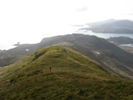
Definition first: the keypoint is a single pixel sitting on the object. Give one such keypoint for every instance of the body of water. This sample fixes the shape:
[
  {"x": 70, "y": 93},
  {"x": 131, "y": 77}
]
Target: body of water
[{"x": 106, "y": 35}]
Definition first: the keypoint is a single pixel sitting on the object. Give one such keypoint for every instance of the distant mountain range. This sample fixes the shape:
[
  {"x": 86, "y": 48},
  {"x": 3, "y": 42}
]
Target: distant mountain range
[
  {"x": 109, "y": 56},
  {"x": 111, "y": 26},
  {"x": 121, "y": 40}
]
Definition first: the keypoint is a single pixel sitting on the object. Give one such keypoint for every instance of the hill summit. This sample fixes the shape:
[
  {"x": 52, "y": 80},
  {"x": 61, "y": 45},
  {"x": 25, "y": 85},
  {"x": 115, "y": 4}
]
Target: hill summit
[{"x": 60, "y": 73}]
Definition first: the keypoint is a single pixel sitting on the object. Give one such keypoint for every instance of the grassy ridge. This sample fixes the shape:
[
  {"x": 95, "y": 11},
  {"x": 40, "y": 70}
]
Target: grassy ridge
[{"x": 73, "y": 77}]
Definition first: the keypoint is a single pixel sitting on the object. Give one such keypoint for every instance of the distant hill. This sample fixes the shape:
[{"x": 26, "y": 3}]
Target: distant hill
[
  {"x": 111, "y": 26},
  {"x": 73, "y": 76},
  {"x": 12, "y": 55},
  {"x": 109, "y": 56},
  {"x": 121, "y": 40}
]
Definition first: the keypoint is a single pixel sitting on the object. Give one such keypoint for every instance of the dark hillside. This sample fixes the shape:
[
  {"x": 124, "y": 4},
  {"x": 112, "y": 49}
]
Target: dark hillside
[{"x": 10, "y": 56}]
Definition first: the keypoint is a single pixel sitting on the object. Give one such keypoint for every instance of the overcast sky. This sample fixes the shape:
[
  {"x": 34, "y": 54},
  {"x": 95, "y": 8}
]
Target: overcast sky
[{"x": 28, "y": 21}]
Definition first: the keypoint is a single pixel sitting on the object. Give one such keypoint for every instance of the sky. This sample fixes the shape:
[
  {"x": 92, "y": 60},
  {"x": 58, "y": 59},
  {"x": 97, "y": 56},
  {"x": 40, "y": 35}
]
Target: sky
[{"x": 29, "y": 21}]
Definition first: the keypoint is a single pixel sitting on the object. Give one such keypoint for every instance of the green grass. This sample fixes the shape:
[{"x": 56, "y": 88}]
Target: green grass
[{"x": 73, "y": 77}]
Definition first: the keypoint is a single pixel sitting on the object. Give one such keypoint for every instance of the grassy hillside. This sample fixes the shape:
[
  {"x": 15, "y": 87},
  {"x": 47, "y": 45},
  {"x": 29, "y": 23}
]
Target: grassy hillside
[
  {"x": 72, "y": 77},
  {"x": 109, "y": 56}
]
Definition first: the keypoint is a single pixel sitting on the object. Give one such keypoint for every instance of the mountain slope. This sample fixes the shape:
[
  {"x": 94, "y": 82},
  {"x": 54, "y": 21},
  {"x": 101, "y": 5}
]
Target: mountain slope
[
  {"x": 117, "y": 26},
  {"x": 73, "y": 76},
  {"x": 108, "y": 55}
]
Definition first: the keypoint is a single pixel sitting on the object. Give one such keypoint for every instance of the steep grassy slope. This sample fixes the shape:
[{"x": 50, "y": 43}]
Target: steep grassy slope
[
  {"x": 108, "y": 55},
  {"x": 72, "y": 77}
]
